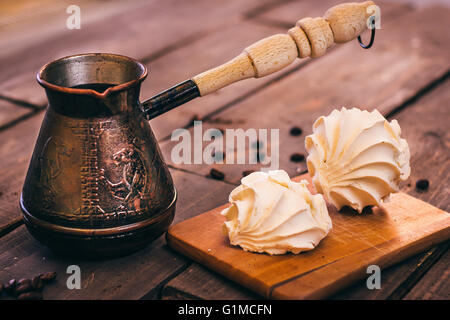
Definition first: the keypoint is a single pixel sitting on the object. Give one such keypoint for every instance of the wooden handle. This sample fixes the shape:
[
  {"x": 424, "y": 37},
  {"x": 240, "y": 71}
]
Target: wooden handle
[{"x": 309, "y": 38}]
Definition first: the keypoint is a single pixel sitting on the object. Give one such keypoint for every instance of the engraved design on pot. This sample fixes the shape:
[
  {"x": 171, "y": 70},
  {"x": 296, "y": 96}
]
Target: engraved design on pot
[
  {"x": 51, "y": 165},
  {"x": 130, "y": 189}
]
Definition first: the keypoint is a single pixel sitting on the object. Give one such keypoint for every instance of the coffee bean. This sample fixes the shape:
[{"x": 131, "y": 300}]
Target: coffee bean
[
  {"x": 30, "y": 296},
  {"x": 23, "y": 281},
  {"x": 1, "y": 288},
  {"x": 422, "y": 184},
  {"x": 247, "y": 172},
  {"x": 295, "y": 131},
  {"x": 10, "y": 286},
  {"x": 37, "y": 283},
  {"x": 297, "y": 157},
  {"x": 216, "y": 174},
  {"x": 48, "y": 277},
  {"x": 22, "y": 288}
]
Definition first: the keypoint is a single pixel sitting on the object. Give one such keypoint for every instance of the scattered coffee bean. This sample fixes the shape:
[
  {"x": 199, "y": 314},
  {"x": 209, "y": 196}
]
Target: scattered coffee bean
[
  {"x": 30, "y": 296},
  {"x": 23, "y": 281},
  {"x": 10, "y": 286},
  {"x": 297, "y": 157},
  {"x": 22, "y": 288},
  {"x": 37, "y": 283},
  {"x": 422, "y": 184},
  {"x": 295, "y": 131},
  {"x": 247, "y": 172},
  {"x": 48, "y": 277},
  {"x": 216, "y": 174}
]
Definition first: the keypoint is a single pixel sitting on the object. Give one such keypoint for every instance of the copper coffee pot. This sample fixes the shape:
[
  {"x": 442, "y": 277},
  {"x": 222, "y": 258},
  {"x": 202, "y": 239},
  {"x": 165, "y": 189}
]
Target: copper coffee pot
[{"x": 97, "y": 184}]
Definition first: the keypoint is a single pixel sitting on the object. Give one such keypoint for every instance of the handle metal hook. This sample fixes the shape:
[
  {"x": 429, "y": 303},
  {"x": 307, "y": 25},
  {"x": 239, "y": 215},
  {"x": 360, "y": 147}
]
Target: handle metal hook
[{"x": 372, "y": 36}]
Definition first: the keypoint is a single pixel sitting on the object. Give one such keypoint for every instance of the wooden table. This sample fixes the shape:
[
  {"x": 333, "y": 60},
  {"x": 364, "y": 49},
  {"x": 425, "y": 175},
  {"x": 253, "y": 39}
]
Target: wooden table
[{"x": 405, "y": 75}]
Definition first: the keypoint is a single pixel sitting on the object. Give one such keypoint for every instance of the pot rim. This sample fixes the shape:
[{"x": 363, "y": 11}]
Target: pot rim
[{"x": 90, "y": 92}]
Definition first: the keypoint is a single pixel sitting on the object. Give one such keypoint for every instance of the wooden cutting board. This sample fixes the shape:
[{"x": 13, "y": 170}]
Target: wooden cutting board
[{"x": 382, "y": 236}]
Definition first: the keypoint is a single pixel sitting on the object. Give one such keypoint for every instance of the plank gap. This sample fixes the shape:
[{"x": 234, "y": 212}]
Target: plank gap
[
  {"x": 180, "y": 44},
  {"x": 22, "y": 103},
  {"x": 10, "y": 226},
  {"x": 419, "y": 94},
  {"x": 20, "y": 119},
  {"x": 172, "y": 293},
  {"x": 156, "y": 292},
  {"x": 422, "y": 267}
]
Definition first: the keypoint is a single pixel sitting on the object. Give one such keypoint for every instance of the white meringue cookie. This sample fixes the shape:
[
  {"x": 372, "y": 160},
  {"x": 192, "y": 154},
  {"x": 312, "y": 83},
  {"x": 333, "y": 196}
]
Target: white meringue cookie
[
  {"x": 270, "y": 213},
  {"x": 357, "y": 158}
]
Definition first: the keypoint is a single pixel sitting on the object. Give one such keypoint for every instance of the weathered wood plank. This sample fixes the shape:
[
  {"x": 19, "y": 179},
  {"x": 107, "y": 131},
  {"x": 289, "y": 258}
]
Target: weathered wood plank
[
  {"x": 9, "y": 113},
  {"x": 202, "y": 53},
  {"x": 383, "y": 77},
  {"x": 139, "y": 31},
  {"x": 435, "y": 285},
  {"x": 16, "y": 147},
  {"x": 287, "y": 14},
  {"x": 208, "y": 285},
  {"x": 23, "y": 20},
  {"x": 205, "y": 53},
  {"x": 130, "y": 277},
  {"x": 418, "y": 160}
]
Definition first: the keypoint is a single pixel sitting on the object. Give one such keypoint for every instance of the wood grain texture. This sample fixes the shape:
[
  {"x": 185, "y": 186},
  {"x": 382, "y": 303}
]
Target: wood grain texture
[
  {"x": 133, "y": 30},
  {"x": 258, "y": 60},
  {"x": 405, "y": 82},
  {"x": 348, "y": 20},
  {"x": 384, "y": 236},
  {"x": 218, "y": 288},
  {"x": 287, "y": 14},
  {"x": 383, "y": 77},
  {"x": 16, "y": 147},
  {"x": 319, "y": 35},
  {"x": 10, "y": 113},
  {"x": 435, "y": 284}
]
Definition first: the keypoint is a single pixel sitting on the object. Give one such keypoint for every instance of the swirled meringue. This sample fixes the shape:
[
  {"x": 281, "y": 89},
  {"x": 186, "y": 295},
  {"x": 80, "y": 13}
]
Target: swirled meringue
[
  {"x": 357, "y": 158},
  {"x": 270, "y": 213}
]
